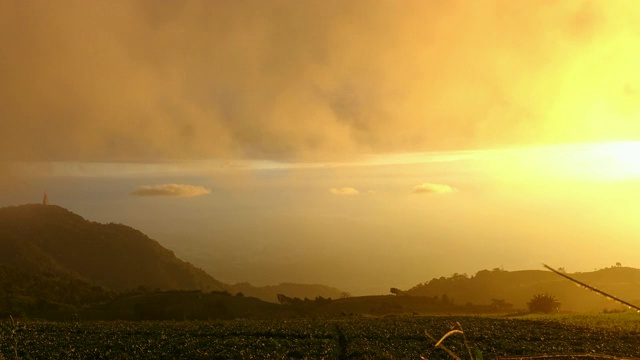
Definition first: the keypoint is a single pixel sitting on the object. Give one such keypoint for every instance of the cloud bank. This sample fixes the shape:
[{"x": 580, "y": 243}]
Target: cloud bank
[
  {"x": 171, "y": 80},
  {"x": 428, "y": 188},
  {"x": 171, "y": 190},
  {"x": 344, "y": 191}
]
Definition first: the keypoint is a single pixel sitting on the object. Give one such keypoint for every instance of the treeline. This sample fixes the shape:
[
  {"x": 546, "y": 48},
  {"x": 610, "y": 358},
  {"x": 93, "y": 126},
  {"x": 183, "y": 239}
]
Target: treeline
[
  {"x": 25, "y": 292},
  {"x": 286, "y": 300},
  {"x": 304, "y": 306}
]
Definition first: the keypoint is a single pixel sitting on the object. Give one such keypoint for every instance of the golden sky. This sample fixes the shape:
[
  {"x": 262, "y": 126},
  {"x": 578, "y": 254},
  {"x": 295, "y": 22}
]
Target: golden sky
[
  {"x": 429, "y": 122},
  {"x": 154, "y": 81}
]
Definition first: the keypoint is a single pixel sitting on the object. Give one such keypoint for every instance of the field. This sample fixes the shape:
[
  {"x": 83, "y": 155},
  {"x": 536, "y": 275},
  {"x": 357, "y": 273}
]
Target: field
[{"x": 347, "y": 338}]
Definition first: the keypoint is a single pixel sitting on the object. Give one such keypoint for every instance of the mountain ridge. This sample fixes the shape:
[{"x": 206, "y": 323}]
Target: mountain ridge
[
  {"x": 50, "y": 238},
  {"x": 115, "y": 256}
]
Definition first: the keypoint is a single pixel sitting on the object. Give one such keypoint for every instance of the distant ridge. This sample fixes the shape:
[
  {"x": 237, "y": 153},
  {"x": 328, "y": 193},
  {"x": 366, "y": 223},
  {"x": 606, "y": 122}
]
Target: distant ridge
[
  {"x": 270, "y": 292},
  {"x": 50, "y": 238},
  {"x": 518, "y": 287}
]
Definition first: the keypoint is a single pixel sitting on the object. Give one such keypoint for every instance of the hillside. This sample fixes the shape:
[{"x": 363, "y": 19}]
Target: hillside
[
  {"x": 180, "y": 305},
  {"x": 517, "y": 287},
  {"x": 52, "y": 239},
  {"x": 32, "y": 292}
]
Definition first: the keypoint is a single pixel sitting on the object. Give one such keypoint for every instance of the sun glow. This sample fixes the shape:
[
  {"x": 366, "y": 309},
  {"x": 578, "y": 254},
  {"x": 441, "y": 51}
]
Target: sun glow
[
  {"x": 617, "y": 160},
  {"x": 601, "y": 161}
]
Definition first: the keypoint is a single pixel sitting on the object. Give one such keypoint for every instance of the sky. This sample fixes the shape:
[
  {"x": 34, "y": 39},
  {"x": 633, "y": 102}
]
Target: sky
[{"x": 360, "y": 144}]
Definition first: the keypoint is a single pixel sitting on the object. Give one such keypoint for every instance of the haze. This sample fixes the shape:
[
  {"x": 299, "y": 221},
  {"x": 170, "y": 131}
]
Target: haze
[{"x": 359, "y": 144}]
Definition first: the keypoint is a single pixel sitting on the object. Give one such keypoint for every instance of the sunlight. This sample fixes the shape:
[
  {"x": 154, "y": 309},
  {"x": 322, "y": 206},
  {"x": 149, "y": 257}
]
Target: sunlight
[
  {"x": 617, "y": 160},
  {"x": 591, "y": 161},
  {"x": 610, "y": 161}
]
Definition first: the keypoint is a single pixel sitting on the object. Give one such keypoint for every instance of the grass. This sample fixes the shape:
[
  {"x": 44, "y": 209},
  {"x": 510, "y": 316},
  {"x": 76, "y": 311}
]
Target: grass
[
  {"x": 626, "y": 321},
  {"x": 456, "y": 329},
  {"x": 351, "y": 338},
  {"x": 9, "y": 335}
]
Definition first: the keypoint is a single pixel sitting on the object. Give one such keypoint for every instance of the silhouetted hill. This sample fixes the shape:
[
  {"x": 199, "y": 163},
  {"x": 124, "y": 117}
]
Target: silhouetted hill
[
  {"x": 518, "y": 287},
  {"x": 270, "y": 293},
  {"x": 52, "y": 239},
  {"x": 181, "y": 305}
]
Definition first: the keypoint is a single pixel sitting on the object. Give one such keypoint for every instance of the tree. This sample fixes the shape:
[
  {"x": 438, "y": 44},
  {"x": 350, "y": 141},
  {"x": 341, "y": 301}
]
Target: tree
[
  {"x": 543, "y": 303},
  {"x": 284, "y": 299},
  {"x": 395, "y": 291},
  {"x": 320, "y": 300}
]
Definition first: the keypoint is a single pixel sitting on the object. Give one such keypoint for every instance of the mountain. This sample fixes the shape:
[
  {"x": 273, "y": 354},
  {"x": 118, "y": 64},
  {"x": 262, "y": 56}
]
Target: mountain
[
  {"x": 518, "y": 287},
  {"x": 49, "y": 238}
]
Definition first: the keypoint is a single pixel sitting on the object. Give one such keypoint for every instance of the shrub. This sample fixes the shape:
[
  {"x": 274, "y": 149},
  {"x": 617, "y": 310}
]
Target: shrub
[{"x": 543, "y": 303}]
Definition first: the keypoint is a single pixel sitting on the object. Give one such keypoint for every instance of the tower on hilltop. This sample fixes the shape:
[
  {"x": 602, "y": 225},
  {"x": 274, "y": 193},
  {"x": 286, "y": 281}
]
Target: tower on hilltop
[{"x": 45, "y": 199}]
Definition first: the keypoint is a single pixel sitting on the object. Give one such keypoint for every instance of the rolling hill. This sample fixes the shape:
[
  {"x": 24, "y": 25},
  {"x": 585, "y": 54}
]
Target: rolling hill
[
  {"x": 51, "y": 256},
  {"x": 518, "y": 287}
]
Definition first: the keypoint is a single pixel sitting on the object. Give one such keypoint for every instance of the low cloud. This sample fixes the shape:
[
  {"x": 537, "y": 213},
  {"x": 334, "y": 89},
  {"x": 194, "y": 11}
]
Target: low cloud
[
  {"x": 344, "y": 191},
  {"x": 428, "y": 188},
  {"x": 171, "y": 190}
]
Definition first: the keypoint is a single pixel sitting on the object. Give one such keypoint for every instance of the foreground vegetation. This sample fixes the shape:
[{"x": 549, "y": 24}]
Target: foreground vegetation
[{"x": 342, "y": 338}]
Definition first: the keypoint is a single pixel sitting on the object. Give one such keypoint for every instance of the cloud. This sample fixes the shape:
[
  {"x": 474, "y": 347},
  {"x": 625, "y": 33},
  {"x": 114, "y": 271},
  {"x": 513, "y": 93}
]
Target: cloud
[
  {"x": 344, "y": 191},
  {"x": 171, "y": 190},
  {"x": 152, "y": 81},
  {"x": 428, "y": 188}
]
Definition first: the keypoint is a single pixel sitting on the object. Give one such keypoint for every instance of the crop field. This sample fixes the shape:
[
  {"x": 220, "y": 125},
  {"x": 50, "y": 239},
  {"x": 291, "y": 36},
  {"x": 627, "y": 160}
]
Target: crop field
[{"x": 348, "y": 338}]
